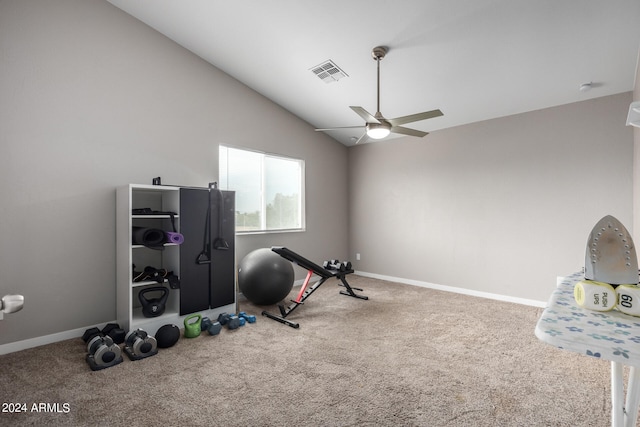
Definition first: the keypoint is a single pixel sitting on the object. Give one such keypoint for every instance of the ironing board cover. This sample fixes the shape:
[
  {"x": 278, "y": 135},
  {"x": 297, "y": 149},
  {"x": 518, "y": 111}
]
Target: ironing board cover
[{"x": 610, "y": 335}]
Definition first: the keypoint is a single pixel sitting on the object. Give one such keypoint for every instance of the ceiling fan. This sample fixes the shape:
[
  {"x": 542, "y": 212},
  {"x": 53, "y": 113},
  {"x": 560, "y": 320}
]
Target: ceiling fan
[{"x": 377, "y": 126}]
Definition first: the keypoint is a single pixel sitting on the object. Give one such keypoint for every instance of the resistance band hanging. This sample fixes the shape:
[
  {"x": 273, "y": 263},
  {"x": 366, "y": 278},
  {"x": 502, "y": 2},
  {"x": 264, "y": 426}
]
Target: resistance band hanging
[
  {"x": 219, "y": 243},
  {"x": 204, "y": 257}
]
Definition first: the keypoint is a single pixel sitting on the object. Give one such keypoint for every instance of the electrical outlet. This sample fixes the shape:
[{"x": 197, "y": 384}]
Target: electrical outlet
[{"x": 357, "y": 257}]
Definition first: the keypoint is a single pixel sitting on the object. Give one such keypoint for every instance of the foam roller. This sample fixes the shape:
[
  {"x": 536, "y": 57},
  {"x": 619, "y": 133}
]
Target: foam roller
[{"x": 592, "y": 295}]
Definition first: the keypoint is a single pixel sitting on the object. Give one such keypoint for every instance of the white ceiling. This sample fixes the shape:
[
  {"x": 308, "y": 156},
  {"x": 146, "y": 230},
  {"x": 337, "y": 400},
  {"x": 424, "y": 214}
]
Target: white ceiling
[{"x": 473, "y": 59}]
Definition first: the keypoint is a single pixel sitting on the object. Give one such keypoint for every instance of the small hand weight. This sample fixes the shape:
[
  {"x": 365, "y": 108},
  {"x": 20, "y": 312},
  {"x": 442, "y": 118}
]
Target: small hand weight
[
  {"x": 215, "y": 328},
  {"x": 205, "y": 323},
  {"x": 192, "y": 329}
]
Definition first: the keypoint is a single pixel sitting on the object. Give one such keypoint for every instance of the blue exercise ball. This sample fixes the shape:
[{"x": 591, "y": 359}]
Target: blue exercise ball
[{"x": 264, "y": 277}]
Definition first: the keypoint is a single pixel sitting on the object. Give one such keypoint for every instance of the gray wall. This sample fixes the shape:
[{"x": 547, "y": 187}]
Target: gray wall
[
  {"x": 91, "y": 99},
  {"x": 636, "y": 161},
  {"x": 502, "y": 206}
]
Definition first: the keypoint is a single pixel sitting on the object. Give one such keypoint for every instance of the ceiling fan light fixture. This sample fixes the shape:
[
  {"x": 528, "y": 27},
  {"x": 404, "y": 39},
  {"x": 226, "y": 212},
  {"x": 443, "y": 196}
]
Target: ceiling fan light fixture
[
  {"x": 376, "y": 126},
  {"x": 378, "y": 130}
]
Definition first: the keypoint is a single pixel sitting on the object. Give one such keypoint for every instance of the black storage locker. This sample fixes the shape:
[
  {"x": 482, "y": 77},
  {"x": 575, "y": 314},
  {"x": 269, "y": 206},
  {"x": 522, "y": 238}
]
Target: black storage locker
[
  {"x": 194, "y": 278},
  {"x": 207, "y": 274},
  {"x": 223, "y": 271}
]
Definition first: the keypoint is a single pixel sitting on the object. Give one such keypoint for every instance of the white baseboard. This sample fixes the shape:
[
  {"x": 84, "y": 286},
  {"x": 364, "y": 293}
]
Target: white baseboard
[
  {"x": 523, "y": 301},
  {"x": 46, "y": 339}
]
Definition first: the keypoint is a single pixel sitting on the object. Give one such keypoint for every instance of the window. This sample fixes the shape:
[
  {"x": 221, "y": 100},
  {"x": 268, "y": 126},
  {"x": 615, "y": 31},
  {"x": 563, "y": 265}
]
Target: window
[{"x": 269, "y": 189}]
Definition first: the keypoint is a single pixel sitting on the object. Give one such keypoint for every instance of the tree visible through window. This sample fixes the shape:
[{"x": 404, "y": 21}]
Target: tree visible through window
[{"x": 269, "y": 189}]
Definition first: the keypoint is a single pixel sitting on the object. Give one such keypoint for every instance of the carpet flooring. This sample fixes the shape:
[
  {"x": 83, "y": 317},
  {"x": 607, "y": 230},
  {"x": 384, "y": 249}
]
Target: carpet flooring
[{"x": 408, "y": 356}]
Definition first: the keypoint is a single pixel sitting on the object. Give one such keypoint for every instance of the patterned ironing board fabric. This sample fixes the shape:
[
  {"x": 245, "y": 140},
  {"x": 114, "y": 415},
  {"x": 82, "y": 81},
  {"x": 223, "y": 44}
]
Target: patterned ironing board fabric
[{"x": 611, "y": 335}]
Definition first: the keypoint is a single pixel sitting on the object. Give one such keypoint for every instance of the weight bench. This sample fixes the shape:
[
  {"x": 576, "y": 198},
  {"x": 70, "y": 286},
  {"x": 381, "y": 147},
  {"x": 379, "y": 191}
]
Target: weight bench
[{"x": 305, "y": 290}]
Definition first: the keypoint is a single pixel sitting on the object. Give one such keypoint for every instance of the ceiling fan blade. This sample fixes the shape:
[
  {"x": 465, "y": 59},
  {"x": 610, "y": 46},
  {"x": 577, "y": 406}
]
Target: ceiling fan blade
[
  {"x": 407, "y": 131},
  {"x": 415, "y": 117},
  {"x": 338, "y": 128},
  {"x": 365, "y": 115},
  {"x": 363, "y": 138}
]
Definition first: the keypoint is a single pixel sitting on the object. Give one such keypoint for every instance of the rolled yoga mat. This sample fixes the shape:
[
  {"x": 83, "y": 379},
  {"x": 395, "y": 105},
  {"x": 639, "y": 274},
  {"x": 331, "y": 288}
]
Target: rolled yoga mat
[{"x": 153, "y": 238}]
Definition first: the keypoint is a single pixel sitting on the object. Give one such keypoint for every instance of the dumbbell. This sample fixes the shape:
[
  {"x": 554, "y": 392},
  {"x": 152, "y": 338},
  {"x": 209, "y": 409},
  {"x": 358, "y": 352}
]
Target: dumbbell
[
  {"x": 90, "y": 333},
  {"x": 210, "y": 326},
  {"x": 205, "y": 323},
  {"x": 231, "y": 321},
  {"x": 341, "y": 266},
  {"x": 115, "y": 331},
  {"x": 139, "y": 344},
  {"x": 330, "y": 265},
  {"x": 334, "y": 264},
  {"x": 248, "y": 317},
  {"x": 594, "y": 295},
  {"x": 102, "y": 352},
  {"x": 111, "y": 329},
  {"x": 241, "y": 321},
  {"x": 214, "y": 328}
]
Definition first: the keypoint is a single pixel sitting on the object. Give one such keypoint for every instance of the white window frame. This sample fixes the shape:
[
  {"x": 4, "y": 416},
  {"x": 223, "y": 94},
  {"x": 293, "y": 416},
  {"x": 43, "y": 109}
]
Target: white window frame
[{"x": 263, "y": 202}]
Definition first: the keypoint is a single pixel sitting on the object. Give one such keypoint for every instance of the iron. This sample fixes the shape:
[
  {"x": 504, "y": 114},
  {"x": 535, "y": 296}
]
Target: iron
[{"x": 611, "y": 255}]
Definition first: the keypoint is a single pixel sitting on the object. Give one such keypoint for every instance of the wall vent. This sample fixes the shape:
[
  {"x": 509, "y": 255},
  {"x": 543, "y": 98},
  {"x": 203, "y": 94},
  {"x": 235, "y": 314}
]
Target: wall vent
[{"x": 328, "y": 72}]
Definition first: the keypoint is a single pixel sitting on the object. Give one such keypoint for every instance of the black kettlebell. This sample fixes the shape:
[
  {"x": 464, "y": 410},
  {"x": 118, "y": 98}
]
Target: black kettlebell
[{"x": 153, "y": 307}]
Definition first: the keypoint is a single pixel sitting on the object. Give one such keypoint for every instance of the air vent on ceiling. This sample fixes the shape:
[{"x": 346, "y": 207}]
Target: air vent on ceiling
[{"x": 328, "y": 72}]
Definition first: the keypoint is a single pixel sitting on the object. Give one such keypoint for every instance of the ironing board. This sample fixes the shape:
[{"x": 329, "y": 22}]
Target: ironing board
[{"x": 611, "y": 336}]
